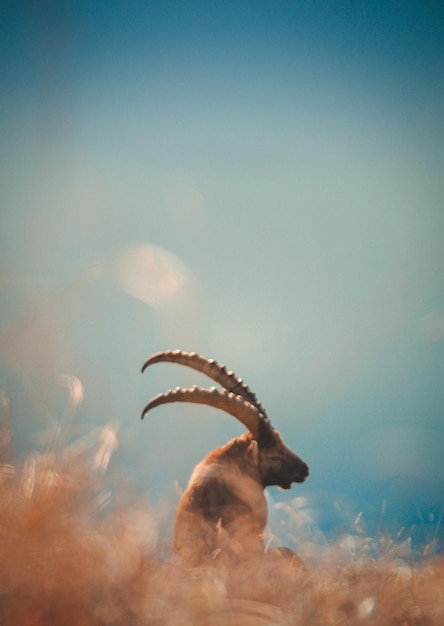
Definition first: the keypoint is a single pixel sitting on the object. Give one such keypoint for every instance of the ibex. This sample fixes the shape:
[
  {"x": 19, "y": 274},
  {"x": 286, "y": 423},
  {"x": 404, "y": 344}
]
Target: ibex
[{"x": 223, "y": 512}]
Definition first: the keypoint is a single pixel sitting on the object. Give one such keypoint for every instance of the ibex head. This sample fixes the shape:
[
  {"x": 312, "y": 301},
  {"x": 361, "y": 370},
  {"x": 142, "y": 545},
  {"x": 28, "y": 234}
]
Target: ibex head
[{"x": 276, "y": 464}]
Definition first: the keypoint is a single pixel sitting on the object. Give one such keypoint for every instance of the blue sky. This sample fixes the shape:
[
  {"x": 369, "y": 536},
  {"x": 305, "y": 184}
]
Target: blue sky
[{"x": 259, "y": 181}]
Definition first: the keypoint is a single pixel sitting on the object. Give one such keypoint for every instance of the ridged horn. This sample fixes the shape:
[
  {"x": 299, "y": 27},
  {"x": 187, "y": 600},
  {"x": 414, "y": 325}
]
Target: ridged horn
[
  {"x": 229, "y": 402},
  {"x": 212, "y": 369}
]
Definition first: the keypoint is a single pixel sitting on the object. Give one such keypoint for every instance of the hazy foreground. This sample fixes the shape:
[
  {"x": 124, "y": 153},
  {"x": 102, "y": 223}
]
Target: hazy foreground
[{"x": 71, "y": 555}]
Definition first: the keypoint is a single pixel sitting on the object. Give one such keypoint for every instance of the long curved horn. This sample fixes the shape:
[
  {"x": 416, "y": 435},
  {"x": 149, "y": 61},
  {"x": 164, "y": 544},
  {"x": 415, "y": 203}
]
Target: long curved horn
[
  {"x": 229, "y": 402},
  {"x": 212, "y": 369}
]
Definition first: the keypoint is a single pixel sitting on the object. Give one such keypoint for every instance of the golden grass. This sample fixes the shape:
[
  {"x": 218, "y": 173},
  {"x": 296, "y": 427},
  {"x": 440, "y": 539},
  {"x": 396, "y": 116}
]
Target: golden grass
[{"x": 64, "y": 562}]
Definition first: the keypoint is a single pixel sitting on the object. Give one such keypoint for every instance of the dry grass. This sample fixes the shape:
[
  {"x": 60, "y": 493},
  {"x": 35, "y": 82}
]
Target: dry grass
[{"x": 63, "y": 561}]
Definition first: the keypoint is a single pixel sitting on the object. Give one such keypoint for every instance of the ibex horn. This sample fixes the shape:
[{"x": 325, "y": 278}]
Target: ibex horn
[
  {"x": 212, "y": 369},
  {"x": 229, "y": 402}
]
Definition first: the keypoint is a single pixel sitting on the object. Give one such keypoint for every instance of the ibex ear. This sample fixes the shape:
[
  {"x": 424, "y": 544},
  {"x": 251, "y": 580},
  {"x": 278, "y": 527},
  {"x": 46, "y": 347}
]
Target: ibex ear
[
  {"x": 267, "y": 435},
  {"x": 252, "y": 452}
]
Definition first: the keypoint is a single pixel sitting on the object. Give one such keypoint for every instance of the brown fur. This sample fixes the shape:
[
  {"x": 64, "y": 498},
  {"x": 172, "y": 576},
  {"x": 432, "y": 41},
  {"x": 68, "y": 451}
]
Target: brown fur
[{"x": 223, "y": 512}]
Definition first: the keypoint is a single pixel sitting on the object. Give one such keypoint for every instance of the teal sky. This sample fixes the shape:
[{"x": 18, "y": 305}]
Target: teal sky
[{"x": 258, "y": 181}]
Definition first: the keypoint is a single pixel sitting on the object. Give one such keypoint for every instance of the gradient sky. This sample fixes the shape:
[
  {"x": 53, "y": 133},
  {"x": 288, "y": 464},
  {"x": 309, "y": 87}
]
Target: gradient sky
[{"x": 258, "y": 181}]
